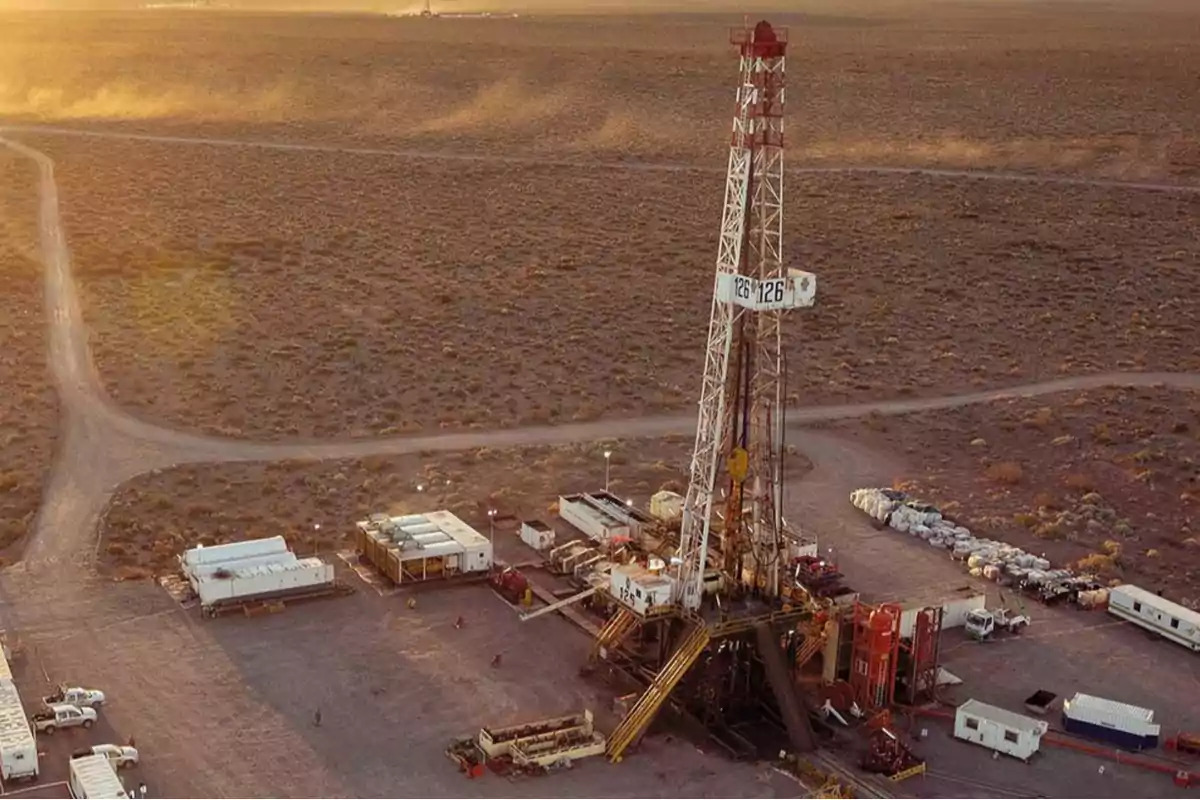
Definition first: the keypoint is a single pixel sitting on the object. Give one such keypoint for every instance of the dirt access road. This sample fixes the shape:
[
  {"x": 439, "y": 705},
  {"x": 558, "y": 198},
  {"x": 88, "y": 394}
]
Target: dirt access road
[{"x": 54, "y": 586}]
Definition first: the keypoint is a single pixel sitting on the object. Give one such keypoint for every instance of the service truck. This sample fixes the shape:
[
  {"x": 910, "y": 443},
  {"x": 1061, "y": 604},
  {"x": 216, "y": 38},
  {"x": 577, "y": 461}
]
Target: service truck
[
  {"x": 62, "y": 715},
  {"x": 76, "y": 696},
  {"x": 120, "y": 755},
  {"x": 983, "y": 624},
  {"x": 18, "y": 747},
  {"x": 94, "y": 777}
]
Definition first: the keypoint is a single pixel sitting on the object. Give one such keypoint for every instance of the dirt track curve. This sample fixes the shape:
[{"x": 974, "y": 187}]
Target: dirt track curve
[{"x": 103, "y": 446}]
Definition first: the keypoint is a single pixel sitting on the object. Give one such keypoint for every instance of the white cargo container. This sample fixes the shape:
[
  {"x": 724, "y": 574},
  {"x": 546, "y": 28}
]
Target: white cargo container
[
  {"x": 201, "y": 572},
  {"x": 1126, "y": 726},
  {"x": 537, "y": 534},
  {"x": 1169, "y": 620},
  {"x": 666, "y": 505},
  {"x": 639, "y": 589},
  {"x": 217, "y": 554},
  {"x": 18, "y": 747},
  {"x": 266, "y": 579},
  {"x": 596, "y": 523},
  {"x": 94, "y": 777},
  {"x": 999, "y": 729}
]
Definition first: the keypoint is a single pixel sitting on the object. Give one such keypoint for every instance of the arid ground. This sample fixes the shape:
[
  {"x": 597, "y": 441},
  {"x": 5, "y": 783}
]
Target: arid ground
[
  {"x": 315, "y": 504},
  {"x": 1102, "y": 88},
  {"x": 283, "y": 293},
  {"x": 1107, "y": 480},
  {"x": 288, "y": 294},
  {"x": 28, "y": 410}
]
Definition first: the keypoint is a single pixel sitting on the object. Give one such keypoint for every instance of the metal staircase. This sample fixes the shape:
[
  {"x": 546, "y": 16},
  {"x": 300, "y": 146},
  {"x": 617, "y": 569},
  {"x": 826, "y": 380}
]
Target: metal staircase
[
  {"x": 619, "y": 625},
  {"x": 811, "y": 645},
  {"x": 643, "y": 712}
]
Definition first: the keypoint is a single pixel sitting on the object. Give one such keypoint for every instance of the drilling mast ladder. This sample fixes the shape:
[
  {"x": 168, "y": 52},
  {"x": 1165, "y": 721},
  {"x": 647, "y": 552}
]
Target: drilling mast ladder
[{"x": 741, "y": 410}]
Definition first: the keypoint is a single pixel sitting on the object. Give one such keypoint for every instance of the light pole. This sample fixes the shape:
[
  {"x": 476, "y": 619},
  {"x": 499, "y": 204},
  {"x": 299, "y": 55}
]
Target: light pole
[
  {"x": 492, "y": 530},
  {"x": 607, "y": 456}
]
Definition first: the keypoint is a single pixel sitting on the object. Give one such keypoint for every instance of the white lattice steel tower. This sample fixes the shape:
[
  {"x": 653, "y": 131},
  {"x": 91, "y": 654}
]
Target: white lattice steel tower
[{"x": 741, "y": 399}]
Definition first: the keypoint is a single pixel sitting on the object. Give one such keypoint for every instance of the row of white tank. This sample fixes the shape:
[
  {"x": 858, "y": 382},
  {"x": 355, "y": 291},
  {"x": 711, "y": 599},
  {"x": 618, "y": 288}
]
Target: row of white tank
[{"x": 985, "y": 557}]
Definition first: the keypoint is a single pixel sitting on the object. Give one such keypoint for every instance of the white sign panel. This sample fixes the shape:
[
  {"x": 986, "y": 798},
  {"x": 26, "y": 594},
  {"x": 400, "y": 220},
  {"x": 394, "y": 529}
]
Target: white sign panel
[{"x": 797, "y": 290}]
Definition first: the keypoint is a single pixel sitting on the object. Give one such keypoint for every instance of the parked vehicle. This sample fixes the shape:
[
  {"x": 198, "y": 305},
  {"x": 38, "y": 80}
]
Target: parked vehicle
[
  {"x": 63, "y": 715},
  {"x": 94, "y": 777},
  {"x": 1157, "y": 614},
  {"x": 983, "y": 624},
  {"x": 121, "y": 756},
  {"x": 18, "y": 747},
  {"x": 76, "y": 696}
]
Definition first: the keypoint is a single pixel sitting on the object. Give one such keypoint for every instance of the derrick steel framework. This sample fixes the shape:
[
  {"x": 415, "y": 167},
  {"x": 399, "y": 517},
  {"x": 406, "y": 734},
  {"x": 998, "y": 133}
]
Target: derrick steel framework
[{"x": 740, "y": 408}]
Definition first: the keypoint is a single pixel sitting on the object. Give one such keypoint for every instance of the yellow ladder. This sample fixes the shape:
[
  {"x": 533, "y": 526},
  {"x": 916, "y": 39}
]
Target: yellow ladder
[
  {"x": 619, "y": 626},
  {"x": 642, "y": 713}
]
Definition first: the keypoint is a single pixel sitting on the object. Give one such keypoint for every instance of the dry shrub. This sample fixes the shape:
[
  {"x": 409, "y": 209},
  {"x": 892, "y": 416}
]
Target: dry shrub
[
  {"x": 1040, "y": 419},
  {"x": 1044, "y": 500},
  {"x": 1008, "y": 473},
  {"x": 1049, "y": 530},
  {"x": 1097, "y": 564},
  {"x": 1026, "y": 520},
  {"x": 1079, "y": 482}
]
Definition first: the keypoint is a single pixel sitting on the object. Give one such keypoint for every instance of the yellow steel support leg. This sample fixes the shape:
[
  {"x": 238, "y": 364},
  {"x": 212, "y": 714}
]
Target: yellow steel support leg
[
  {"x": 647, "y": 706},
  {"x": 619, "y": 626}
]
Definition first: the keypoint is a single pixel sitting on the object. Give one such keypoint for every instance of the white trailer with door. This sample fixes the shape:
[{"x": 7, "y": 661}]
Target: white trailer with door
[
  {"x": 94, "y": 777},
  {"x": 18, "y": 747},
  {"x": 1169, "y": 620},
  {"x": 999, "y": 729}
]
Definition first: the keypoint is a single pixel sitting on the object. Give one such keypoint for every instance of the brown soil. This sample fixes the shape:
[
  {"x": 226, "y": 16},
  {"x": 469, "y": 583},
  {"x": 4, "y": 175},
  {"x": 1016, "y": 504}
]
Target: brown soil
[
  {"x": 1109, "y": 477},
  {"x": 282, "y": 294},
  {"x": 155, "y": 517},
  {"x": 28, "y": 408},
  {"x": 1102, "y": 88}
]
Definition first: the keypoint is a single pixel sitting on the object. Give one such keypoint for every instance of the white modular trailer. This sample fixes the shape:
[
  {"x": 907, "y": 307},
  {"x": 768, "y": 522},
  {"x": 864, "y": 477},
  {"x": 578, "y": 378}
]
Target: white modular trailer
[
  {"x": 94, "y": 777},
  {"x": 203, "y": 572},
  {"x": 1167, "y": 619},
  {"x": 537, "y": 534},
  {"x": 267, "y": 579},
  {"x": 1126, "y": 726},
  {"x": 477, "y": 553},
  {"x": 18, "y": 747},
  {"x": 955, "y": 601},
  {"x": 201, "y": 556},
  {"x": 417, "y": 547},
  {"x": 597, "y": 523},
  {"x": 999, "y": 729},
  {"x": 639, "y": 589}
]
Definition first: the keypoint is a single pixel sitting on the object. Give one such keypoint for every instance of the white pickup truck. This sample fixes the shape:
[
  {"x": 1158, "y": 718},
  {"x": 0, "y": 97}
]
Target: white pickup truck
[
  {"x": 62, "y": 715},
  {"x": 120, "y": 756},
  {"x": 76, "y": 696}
]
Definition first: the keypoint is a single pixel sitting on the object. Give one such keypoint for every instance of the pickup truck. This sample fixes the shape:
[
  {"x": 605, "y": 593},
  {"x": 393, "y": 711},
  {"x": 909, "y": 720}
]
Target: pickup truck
[
  {"x": 62, "y": 715},
  {"x": 74, "y": 695},
  {"x": 118, "y": 755}
]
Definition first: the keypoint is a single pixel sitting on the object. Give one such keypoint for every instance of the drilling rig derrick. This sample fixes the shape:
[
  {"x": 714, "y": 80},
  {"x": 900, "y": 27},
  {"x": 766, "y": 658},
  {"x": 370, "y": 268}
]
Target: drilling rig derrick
[{"x": 739, "y": 443}]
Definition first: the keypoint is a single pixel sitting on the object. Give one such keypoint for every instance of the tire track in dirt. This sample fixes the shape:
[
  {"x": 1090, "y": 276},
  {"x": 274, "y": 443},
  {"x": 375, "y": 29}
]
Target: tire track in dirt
[
  {"x": 53, "y": 588},
  {"x": 635, "y": 166}
]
